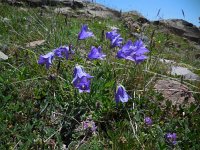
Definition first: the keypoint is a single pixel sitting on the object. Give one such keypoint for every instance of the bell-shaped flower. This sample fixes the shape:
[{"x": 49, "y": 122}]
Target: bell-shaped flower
[
  {"x": 80, "y": 72},
  {"x": 125, "y": 51},
  {"x": 85, "y": 33},
  {"x": 171, "y": 138},
  {"x": 89, "y": 125},
  {"x": 110, "y": 35},
  {"x": 46, "y": 59},
  {"x": 81, "y": 79},
  {"x": 115, "y": 38},
  {"x": 96, "y": 53},
  {"x": 148, "y": 121},
  {"x": 82, "y": 84},
  {"x": 121, "y": 95},
  {"x": 116, "y": 41},
  {"x": 63, "y": 50},
  {"x": 138, "y": 51},
  {"x": 133, "y": 51},
  {"x": 139, "y": 48}
]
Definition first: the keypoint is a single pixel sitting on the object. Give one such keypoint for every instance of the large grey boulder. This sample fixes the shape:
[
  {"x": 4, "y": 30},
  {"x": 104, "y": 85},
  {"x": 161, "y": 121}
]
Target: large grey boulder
[
  {"x": 177, "y": 93},
  {"x": 185, "y": 72}
]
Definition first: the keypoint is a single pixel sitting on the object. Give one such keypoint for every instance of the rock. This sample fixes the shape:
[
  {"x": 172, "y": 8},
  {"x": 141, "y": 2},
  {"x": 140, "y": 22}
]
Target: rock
[
  {"x": 73, "y": 8},
  {"x": 70, "y": 3},
  {"x": 134, "y": 21},
  {"x": 143, "y": 20},
  {"x": 174, "y": 69},
  {"x": 64, "y": 10},
  {"x": 91, "y": 10},
  {"x": 5, "y": 20},
  {"x": 134, "y": 27},
  {"x": 74, "y": 4},
  {"x": 23, "y": 9},
  {"x": 185, "y": 72},
  {"x": 3, "y": 56},
  {"x": 101, "y": 14},
  {"x": 135, "y": 17},
  {"x": 14, "y": 2},
  {"x": 35, "y": 43},
  {"x": 113, "y": 28},
  {"x": 177, "y": 93},
  {"x": 166, "y": 61},
  {"x": 98, "y": 10},
  {"x": 181, "y": 28}
]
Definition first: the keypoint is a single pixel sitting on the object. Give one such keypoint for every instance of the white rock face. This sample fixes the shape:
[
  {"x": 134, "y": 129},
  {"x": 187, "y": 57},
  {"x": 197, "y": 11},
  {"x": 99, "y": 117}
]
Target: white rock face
[
  {"x": 3, "y": 56},
  {"x": 177, "y": 70}
]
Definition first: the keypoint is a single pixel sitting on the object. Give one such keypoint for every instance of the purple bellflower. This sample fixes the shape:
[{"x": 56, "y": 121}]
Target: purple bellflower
[
  {"x": 111, "y": 34},
  {"x": 95, "y": 53},
  {"x": 46, "y": 59},
  {"x": 148, "y": 121},
  {"x": 84, "y": 33},
  {"x": 121, "y": 95},
  {"x": 133, "y": 51},
  {"x": 79, "y": 72},
  {"x": 83, "y": 85},
  {"x": 116, "y": 41},
  {"x": 81, "y": 79},
  {"x": 125, "y": 51},
  {"x": 89, "y": 125},
  {"x": 115, "y": 38},
  {"x": 171, "y": 138},
  {"x": 63, "y": 50}
]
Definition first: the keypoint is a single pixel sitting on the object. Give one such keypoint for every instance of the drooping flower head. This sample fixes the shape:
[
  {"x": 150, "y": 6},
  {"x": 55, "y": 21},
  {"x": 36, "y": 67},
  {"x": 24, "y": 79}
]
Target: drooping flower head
[
  {"x": 115, "y": 38},
  {"x": 121, "y": 95},
  {"x": 116, "y": 41},
  {"x": 110, "y": 35},
  {"x": 79, "y": 72},
  {"x": 84, "y": 33},
  {"x": 96, "y": 53},
  {"x": 125, "y": 50},
  {"x": 89, "y": 126},
  {"x": 171, "y": 138},
  {"x": 83, "y": 85},
  {"x": 46, "y": 59},
  {"x": 148, "y": 121},
  {"x": 81, "y": 79},
  {"x": 63, "y": 50},
  {"x": 133, "y": 51}
]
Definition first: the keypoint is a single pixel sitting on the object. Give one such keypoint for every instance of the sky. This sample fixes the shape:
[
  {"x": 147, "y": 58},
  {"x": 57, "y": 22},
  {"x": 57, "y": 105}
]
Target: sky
[{"x": 169, "y": 9}]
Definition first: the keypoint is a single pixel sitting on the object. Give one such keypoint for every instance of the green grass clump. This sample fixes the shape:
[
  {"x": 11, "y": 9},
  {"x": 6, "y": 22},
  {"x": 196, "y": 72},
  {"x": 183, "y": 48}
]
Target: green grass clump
[{"x": 40, "y": 108}]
